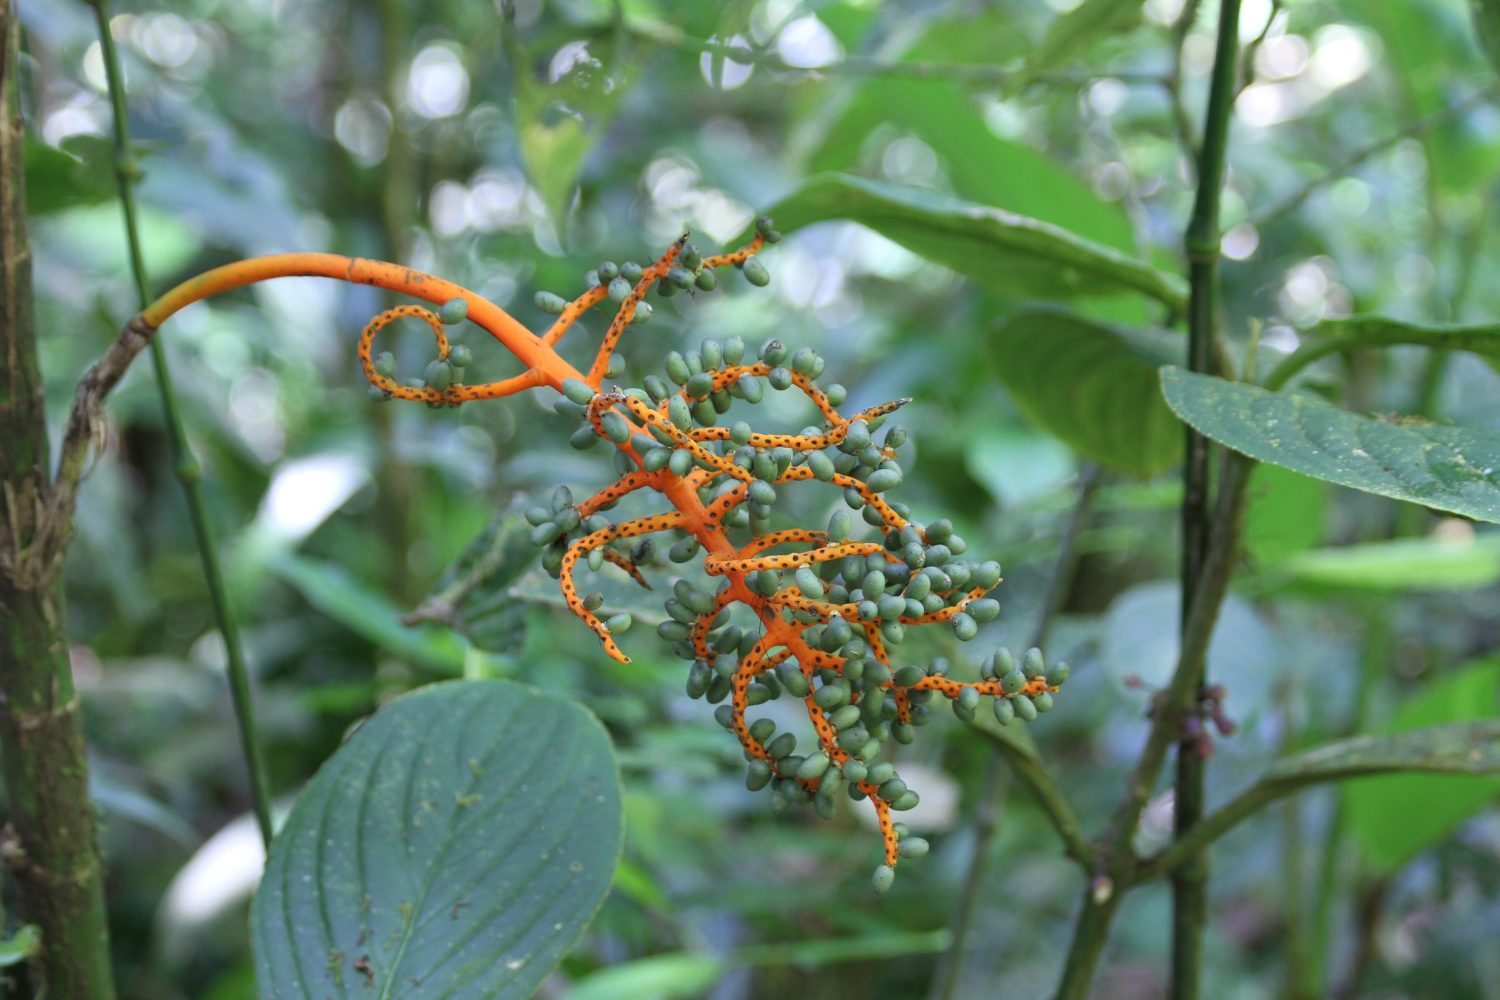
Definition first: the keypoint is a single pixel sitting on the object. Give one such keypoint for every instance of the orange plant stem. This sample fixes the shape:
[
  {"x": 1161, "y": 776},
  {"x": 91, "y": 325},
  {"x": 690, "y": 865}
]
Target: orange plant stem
[{"x": 520, "y": 341}]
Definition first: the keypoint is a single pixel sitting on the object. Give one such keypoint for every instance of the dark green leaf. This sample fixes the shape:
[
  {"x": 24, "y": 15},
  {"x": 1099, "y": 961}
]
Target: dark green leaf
[
  {"x": 1072, "y": 31},
  {"x": 1395, "y": 817},
  {"x": 1093, "y": 385},
  {"x": 82, "y": 173},
  {"x": 457, "y": 845},
  {"x": 1450, "y": 468},
  {"x": 1016, "y": 254}
]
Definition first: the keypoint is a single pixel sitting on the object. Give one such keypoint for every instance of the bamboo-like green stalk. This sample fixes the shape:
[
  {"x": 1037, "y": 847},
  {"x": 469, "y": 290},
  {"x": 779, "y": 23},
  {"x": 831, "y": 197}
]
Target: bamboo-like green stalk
[
  {"x": 49, "y": 844},
  {"x": 189, "y": 472},
  {"x": 1190, "y": 880}
]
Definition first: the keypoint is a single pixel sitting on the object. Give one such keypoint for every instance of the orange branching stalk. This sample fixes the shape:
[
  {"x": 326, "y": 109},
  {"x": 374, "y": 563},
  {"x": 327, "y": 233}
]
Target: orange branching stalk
[{"x": 811, "y": 613}]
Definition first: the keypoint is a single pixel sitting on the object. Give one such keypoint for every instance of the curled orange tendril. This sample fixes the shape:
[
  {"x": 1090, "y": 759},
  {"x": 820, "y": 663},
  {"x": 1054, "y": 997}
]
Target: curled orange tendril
[{"x": 807, "y": 613}]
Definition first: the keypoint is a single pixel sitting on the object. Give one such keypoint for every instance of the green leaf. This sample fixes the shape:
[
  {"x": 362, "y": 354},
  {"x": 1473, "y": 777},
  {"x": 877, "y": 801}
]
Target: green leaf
[
  {"x": 1071, "y": 32},
  {"x": 1395, "y": 817},
  {"x": 332, "y": 591},
  {"x": 20, "y": 946},
  {"x": 1396, "y": 566},
  {"x": 461, "y": 841},
  {"x": 80, "y": 173},
  {"x": 1093, "y": 385},
  {"x": 982, "y": 166},
  {"x": 1455, "y": 469},
  {"x": 1472, "y": 748},
  {"x": 1018, "y": 255},
  {"x": 1284, "y": 515},
  {"x": 659, "y": 977},
  {"x": 1353, "y": 333},
  {"x": 565, "y": 98},
  {"x": 473, "y": 596}
]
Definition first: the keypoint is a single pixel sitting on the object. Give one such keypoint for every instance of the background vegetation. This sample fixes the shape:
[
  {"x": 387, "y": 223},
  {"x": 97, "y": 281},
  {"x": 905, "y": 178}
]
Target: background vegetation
[{"x": 512, "y": 147}]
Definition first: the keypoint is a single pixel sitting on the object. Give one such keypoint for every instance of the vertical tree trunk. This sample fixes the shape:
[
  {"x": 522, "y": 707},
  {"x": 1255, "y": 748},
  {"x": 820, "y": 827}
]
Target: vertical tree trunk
[{"x": 49, "y": 844}]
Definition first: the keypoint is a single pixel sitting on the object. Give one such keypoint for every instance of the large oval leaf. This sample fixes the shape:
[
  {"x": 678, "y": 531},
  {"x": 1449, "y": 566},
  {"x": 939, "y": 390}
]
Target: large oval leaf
[
  {"x": 1450, "y": 468},
  {"x": 456, "y": 846},
  {"x": 1021, "y": 256},
  {"x": 1395, "y": 817},
  {"x": 1093, "y": 385}
]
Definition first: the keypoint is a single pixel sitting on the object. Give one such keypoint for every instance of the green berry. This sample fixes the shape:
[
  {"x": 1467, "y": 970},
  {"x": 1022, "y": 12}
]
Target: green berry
[
  {"x": 454, "y": 311},
  {"x": 1025, "y": 707},
  {"x": 578, "y": 391},
  {"x": 631, "y": 271},
  {"x": 756, "y": 273},
  {"x": 984, "y": 610},
  {"x": 821, "y": 466},
  {"x": 883, "y": 479},
  {"x": 615, "y": 624},
  {"x": 677, "y": 368},
  {"x": 808, "y": 582},
  {"x": 679, "y": 413},
  {"x": 758, "y": 775},
  {"x": 385, "y": 364},
  {"x": 882, "y": 880},
  {"x": 773, "y": 352},
  {"x": 549, "y": 302},
  {"x": 839, "y": 526},
  {"x": 1057, "y": 674},
  {"x": 913, "y": 847},
  {"x": 706, "y": 281},
  {"x": 836, "y": 394},
  {"x": 831, "y": 696},
  {"x": 699, "y": 385},
  {"x": 615, "y": 427},
  {"x": 1032, "y": 664},
  {"x": 438, "y": 374},
  {"x": 964, "y": 627},
  {"x": 1005, "y": 712},
  {"x": 813, "y": 767}
]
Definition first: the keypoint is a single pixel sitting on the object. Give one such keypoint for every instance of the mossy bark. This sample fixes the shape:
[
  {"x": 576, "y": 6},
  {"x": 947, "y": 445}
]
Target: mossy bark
[{"x": 49, "y": 843}]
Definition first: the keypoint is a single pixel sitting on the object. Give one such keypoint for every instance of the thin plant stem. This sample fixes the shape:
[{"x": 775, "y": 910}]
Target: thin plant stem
[
  {"x": 986, "y": 823},
  {"x": 1189, "y": 882},
  {"x": 986, "y": 814},
  {"x": 189, "y": 473}
]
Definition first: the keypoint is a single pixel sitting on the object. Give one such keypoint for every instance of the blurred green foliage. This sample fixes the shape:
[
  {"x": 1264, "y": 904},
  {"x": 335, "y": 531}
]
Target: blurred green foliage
[{"x": 512, "y": 146}]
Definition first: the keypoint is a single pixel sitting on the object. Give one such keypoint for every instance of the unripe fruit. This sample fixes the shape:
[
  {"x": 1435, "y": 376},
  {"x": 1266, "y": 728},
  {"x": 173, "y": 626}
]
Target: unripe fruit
[
  {"x": 438, "y": 374},
  {"x": 615, "y": 427},
  {"x": 578, "y": 391},
  {"x": 913, "y": 847},
  {"x": 385, "y": 364},
  {"x": 550, "y": 303},
  {"x": 756, "y": 273},
  {"x": 454, "y": 311}
]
